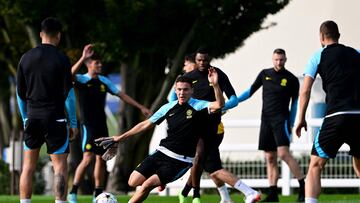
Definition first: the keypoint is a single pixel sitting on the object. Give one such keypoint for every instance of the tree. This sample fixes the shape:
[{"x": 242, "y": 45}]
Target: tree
[{"x": 146, "y": 40}]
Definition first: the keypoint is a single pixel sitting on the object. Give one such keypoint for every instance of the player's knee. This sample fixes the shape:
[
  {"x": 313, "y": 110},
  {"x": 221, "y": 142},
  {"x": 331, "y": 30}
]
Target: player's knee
[
  {"x": 215, "y": 175},
  {"x": 133, "y": 182},
  {"x": 284, "y": 155}
]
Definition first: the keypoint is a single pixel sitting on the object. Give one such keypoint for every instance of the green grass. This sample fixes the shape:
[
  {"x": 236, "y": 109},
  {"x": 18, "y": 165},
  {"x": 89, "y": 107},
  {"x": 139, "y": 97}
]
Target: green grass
[{"x": 339, "y": 198}]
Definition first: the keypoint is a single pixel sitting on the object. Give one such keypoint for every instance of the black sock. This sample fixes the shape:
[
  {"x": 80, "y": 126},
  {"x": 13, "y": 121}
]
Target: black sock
[
  {"x": 196, "y": 193},
  {"x": 302, "y": 183},
  {"x": 74, "y": 189},
  {"x": 98, "y": 191},
  {"x": 273, "y": 190},
  {"x": 185, "y": 191}
]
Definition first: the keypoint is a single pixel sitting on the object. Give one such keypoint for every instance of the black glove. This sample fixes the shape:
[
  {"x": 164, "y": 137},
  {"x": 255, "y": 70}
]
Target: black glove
[{"x": 105, "y": 142}]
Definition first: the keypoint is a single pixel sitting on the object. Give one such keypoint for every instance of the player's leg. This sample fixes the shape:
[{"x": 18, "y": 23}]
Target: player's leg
[
  {"x": 285, "y": 155},
  {"x": 136, "y": 179},
  {"x": 29, "y": 165},
  {"x": 267, "y": 143},
  {"x": 220, "y": 185},
  {"x": 59, "y": 162},
  {"x": 195, "y": 174},
  {"x": 147, "y": 185},
  {"x": 313, "y": 184},
  {"x": 356, "y": 165},
  {"x": 80, "y": 170},
  {"x": 99, "y": 175},
  {"x": 229, "y": 178}
]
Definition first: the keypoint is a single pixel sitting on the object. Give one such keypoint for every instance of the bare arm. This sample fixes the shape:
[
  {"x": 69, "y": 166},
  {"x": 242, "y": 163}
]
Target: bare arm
[
  {"x": 126, "y": 98},
  {"x": 305, "y": 93},
  {"x": 220, "y": 101},
  {"x": 87, "y": 52},
  {"x": 140, "y": 127}
]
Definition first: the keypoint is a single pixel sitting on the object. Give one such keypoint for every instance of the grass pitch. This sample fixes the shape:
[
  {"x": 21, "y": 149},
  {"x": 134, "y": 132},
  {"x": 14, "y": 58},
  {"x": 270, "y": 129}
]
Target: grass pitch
[{"x": 324, "y": 198}]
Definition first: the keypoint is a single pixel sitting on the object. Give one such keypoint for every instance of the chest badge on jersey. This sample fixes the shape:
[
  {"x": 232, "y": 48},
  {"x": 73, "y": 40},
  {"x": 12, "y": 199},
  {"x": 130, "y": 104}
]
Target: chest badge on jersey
[
  {"x": 283, "y": 82},
  {"x": 102, "y": 88},
  {"x": 189, "y": 114},
  {"x": 267, "y": 78}
]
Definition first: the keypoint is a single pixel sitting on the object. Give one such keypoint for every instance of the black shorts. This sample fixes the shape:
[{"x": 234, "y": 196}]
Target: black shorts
[
  {"x": 167, "y": 168},
  {"x": 273, "y": 134},
  {"x": 212, "y": 154},
  {"x": 334, "y": 132},
  {"x": 89, "y": 134},
  {"x": 52, "y": 132}
]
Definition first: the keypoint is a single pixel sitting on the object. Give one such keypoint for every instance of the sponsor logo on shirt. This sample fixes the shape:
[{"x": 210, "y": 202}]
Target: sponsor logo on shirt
[
  {"x": 267, "y": 78},
  {"x": 283, "y": 82}
]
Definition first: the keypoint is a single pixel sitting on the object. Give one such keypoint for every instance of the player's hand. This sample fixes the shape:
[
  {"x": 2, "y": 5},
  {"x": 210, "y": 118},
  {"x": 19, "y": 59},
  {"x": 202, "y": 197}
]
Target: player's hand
[
  {"x": 87, "y": 51},
  {"x": 147, "y": 112},
  {"x": 299, "y": 126},
  {"x": 73, "y": 132},
  {"x": 105, "y": 142},
  {"x": 109, "y": 154},
  {"x": 213, "y": 76}
]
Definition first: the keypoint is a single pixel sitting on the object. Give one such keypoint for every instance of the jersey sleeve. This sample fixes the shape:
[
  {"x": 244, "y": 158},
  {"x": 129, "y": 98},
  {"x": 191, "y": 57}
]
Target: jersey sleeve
[
  {"x": 21, "y": 92},
  {"x": 199, "y": 105},
  {"x": 312, "y": 65},
  {"x": 225, "y": 84},
  {"x": 257, "y": 83},
  {"x": 160, "y": 114},
  {"x": 111, "y": 86}
]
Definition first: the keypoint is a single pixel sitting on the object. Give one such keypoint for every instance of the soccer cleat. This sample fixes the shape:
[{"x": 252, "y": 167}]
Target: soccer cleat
[
  {"x": 196, "y": 200},
  {"x": 301, "y": 195},
  {"x": 182, "y": 198},
  {"x": 253, "y": 197},
  {"x": 72, "y": 198},
  {"x": 271, "y": 198}
]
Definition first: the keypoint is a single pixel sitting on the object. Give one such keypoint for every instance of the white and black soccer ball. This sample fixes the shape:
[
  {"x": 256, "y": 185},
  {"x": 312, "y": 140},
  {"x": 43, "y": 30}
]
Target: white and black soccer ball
[{"x": 106, "y": 197}]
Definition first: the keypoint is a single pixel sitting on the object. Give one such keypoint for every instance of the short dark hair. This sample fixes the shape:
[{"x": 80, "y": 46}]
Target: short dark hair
[
  {"x": 330, "y": 30},
  {"x": 95, "y": 56},
  {"x": 184, "y": 79},
  {"x": 279, "y": 51},
  {"x": 190, "y": 57},
  {"x": 51, "y": 26},
  {"x": 202, "y": 50}
]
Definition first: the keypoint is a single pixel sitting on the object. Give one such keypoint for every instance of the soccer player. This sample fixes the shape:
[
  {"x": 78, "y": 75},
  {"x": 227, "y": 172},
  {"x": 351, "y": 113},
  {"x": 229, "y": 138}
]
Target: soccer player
[
  {"x": 44, "y": 89},
  {"x": 176, "y": 152},
  {"x": 92, "y": 89},
  {"x": 190, "y": 65},
  {"x": 279, "y": 87},
  {"x": 208, "y": 155},
  {"x": 339, "y": 68}
]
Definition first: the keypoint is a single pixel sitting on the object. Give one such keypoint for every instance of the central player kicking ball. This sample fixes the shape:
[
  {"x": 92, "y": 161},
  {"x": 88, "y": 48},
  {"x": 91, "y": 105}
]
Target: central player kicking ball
[{"x": 176, "y": 152}]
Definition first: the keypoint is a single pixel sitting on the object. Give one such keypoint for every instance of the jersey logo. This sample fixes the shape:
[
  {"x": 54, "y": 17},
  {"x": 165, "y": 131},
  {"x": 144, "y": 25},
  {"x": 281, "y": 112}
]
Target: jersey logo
[
  {"x": 171, "y": 114},
  {"x": 102, "y": 88},
  {"x": 89, "y": 85},
  {"x": 88, "y": 146},
  {"x": 195, "y": 81},
  {"x": 189, "y": 114},
  {"x": 267, "y": 78},
  {"x": 283, "y": 82}
]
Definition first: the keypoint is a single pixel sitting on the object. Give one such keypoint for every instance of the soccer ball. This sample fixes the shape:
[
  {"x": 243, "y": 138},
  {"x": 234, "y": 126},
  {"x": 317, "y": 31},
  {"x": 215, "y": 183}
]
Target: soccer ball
[{"x": 106, "y": 197}]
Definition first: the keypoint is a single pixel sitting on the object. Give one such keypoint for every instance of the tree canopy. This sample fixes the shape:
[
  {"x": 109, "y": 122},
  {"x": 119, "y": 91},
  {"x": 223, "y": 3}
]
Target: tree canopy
[{"x": 139, "y": 38}]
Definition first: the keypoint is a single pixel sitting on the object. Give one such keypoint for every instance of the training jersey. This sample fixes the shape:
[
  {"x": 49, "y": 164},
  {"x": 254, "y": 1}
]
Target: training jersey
[
  {"x": 278, "y": 88},
  {"x": 339, "y": 69},
  {"x": 204, "y": 91},
  {"x": 92, "y": 97},
  {"x": 44, "y": 83},
  {"x": 183, "y": 125}
]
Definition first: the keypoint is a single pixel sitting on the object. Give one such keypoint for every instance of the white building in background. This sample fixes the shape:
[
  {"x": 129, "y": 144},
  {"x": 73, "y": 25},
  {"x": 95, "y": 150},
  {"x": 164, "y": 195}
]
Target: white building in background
[{"x": 296, "y": 31}]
